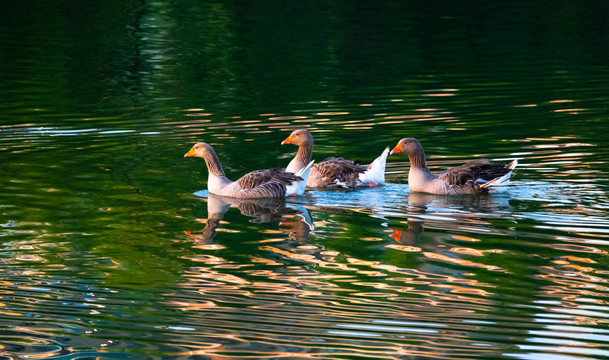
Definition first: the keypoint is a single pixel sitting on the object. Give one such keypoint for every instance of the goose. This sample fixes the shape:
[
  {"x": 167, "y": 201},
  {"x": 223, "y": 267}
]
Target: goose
[
  {"x": 269, "y": 183},
  {"x": 474, "y": 177},
  {"x": 334, "y": 171}
]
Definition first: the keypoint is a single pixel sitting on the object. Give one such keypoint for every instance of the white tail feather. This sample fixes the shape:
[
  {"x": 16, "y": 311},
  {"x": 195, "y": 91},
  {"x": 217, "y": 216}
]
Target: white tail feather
[
  {"x": 501, "y": 183},
  {"x": 376, "y": 173},
  {"x": 513, "y": 164},
  {"x": 298, "y": 187}
]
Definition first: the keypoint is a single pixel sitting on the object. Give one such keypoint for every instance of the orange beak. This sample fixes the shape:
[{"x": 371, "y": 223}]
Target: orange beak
[
  {"x": 190, "y": 152},
  {"x": 396, "y": 235},
  {"x": 396, "y": 149},
  {"x": 287, "y": 141}
]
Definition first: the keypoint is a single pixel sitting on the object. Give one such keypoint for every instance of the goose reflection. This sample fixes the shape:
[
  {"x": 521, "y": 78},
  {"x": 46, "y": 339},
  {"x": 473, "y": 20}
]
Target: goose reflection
[
  {"x": 448, "y": 212},
  {"x": 295, "y": 216}
]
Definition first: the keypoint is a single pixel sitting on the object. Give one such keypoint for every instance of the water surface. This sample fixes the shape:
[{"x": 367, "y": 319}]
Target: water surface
[{"x": 112, "y": 248}]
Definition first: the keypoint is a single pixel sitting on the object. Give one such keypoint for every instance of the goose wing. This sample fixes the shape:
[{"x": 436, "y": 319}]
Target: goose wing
[
  {"x": 337, "y": 170},
  {"x": 259, "y": 177},
  {"x": 479, "y": 171}
]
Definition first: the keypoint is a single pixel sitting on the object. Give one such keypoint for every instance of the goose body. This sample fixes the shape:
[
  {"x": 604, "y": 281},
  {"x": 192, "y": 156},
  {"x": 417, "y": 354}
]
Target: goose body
[
  {"x": 334, "y": 171},
  {"x": 268, "y": 183},
  {"x": 474, "y": 177}
]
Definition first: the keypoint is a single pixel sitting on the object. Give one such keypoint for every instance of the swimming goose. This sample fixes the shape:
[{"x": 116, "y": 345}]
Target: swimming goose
[
  {"x": 474, "y": 177},
  {"x": 269, "y": 183},
  {"x": 334, "y": 171}
]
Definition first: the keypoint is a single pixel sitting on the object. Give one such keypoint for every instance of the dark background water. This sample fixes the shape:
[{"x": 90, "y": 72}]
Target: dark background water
[{"x": 108, "y": 252}]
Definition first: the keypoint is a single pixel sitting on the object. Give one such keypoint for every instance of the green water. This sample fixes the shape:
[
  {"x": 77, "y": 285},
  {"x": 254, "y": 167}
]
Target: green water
[{"x": 112, "y": 248}]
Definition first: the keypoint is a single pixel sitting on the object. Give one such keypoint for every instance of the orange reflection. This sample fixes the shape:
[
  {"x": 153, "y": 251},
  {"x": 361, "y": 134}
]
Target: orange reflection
[
  {"x": 403, "y": 248},
  {"x": 467, "y": 251},
  {"x": 463, "y": 238},
  {"x": 561, "y": 101},
  {"x": 265, "y": 261},
  {"x": 460, "y": 261},
  {"x": 578, "y": 259}
]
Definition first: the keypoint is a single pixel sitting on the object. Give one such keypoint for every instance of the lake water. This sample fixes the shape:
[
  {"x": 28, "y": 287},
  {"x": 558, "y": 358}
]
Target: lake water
[{"x": 112, "y": 248}]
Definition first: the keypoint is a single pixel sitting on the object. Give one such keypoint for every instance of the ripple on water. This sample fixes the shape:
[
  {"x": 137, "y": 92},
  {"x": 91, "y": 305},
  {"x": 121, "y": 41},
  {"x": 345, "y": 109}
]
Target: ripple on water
[{"x": 125, "y": 270}]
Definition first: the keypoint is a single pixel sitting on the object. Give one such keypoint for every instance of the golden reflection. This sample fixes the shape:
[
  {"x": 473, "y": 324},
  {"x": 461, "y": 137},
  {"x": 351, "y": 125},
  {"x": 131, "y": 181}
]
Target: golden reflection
[
  {"x": 403, "y": 117},
  {"x": 9, "y": 313},
  {"x": 312, "y": 120},
  {"x": 332, "y": 113},
  {"x": 440, "y": 94},
  {"x": 329, "y": 253},
  {"x": 467, "y": 251},
  {"x": 410, "y": 238},
  {"x": 205, "y": 258},
  {"x": 288, "y": 117},
  {"x": 270, "y": 231},
  {"x": 231, "y": 266},
  {"x": 266, "y": 261},
  {"x": 570, "y": 111},
  {"x": 260, "y": 210},
  {"x": 199, "y": 114},
  {"x": 577, "y": 248},
  {"x": 403, "y": 248},
  {"x": 389, "y": 122},
  {"x": 187, "y": 124},
  {"x": 211, "y": 247},
  {"x": 461, "y": 262},
  {"x": 335, "y": 287},
  {"x": 463, "y": 238},
  {"x": 578, "y": 259},
  {"x": 371, "y": 239},
  {"x": 199, "y": 273},
  {"x": 30, "y": 257},
  {"x": 271, "y": 240},
  {"x": 305, "y": 257}
]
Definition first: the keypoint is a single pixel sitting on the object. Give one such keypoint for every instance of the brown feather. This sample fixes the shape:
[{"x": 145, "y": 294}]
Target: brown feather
[
  {"x": 267, "y": 190},
  {"x": 472, "y": 171},
  {"x": 260, "y": 177},
  {"x": 338, "y": 170}
]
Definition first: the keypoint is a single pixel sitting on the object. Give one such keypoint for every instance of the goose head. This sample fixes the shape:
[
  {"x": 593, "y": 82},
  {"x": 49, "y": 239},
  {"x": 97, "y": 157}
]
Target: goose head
[
  {"x": 299, "y": 137},
  {"x": 410, "y": 146},
  {"x": 203, "y": 150}
]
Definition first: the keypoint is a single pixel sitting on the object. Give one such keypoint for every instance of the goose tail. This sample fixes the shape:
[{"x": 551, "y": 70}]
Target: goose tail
[
  {"x": 500, "y": 184},
  {"x": 376, "y": 173},
  {"x": 297, "y": 188}
]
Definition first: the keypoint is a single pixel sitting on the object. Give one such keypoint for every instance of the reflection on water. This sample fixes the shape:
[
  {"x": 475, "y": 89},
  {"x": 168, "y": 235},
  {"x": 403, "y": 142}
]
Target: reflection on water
[
  {"x": 106, "y": 252},
  {"x": 260, "y": 210},
  {"x": 453, "y": 282}
]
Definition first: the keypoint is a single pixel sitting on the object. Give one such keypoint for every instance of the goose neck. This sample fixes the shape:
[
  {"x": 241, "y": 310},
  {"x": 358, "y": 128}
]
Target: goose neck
[
  {"x": 305, "y": 152},
  {"x": 213, "y": 164}
]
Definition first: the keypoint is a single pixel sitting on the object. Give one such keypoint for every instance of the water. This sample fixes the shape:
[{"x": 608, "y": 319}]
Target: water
[{"x": 112, "y": 248}]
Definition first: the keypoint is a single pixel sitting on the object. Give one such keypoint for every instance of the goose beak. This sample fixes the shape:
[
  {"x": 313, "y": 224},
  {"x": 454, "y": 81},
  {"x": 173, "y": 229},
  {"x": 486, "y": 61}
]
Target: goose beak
[
  {"x": 396, "y": 149},
  {"x": 287, "y": 141},
  {"x": 190, "y": 153},
  {"x": 396, "y": 235}
]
